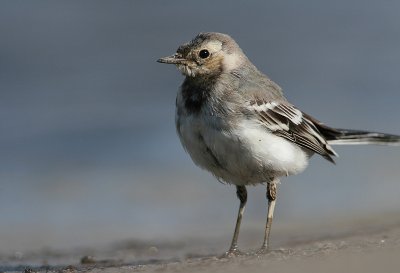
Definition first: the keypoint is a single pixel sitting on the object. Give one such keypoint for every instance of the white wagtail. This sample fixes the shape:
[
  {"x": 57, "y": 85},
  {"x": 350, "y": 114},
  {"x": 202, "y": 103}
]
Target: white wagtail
[{"x": 236, "y": 123}]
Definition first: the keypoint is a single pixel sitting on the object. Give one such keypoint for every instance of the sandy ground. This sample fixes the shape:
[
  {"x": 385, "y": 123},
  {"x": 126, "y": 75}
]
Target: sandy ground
[{"x": 371, "y": 248}]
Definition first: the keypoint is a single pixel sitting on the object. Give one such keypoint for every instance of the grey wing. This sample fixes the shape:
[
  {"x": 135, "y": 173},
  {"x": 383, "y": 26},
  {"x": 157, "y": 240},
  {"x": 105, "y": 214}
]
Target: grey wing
[{"x": 284, "y": 120}]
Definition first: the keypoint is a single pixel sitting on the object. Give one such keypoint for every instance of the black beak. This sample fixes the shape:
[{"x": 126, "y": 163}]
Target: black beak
[{"x": 174, "y": 59}]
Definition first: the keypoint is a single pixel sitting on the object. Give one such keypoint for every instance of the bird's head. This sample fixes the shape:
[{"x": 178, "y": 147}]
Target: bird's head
[{"x": 208, "y": 54}]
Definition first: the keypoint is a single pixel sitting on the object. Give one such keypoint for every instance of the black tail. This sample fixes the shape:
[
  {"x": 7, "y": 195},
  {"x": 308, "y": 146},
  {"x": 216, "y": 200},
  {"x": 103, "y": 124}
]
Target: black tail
[{"x": 355, "y": 137}]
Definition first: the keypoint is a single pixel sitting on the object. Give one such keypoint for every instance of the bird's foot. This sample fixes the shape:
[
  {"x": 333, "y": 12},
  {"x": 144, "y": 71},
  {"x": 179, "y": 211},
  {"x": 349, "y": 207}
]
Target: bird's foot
[
  {"x": 233, "y": 252},
  {"x": 263, "y": 250}
]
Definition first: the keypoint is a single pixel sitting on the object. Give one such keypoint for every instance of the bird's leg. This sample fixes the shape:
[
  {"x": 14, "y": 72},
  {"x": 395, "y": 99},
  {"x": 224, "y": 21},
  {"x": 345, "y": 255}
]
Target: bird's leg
[
  {"x": 271, "y": 196},
  {"x": 241, "y": 193}
]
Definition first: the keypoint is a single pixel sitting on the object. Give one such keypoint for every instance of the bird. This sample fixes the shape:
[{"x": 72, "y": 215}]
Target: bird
[{"x": 236, "y": 123}]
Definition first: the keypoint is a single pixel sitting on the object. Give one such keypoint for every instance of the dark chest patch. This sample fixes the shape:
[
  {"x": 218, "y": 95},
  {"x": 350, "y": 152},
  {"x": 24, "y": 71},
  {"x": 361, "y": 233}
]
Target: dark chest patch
[
  {"x": 194, "y": 103},
  {"x": 195, "y": 94}
]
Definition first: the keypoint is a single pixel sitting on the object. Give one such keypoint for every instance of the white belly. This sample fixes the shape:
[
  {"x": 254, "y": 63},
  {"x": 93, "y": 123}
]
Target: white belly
[{"x": 246, "y": 154}]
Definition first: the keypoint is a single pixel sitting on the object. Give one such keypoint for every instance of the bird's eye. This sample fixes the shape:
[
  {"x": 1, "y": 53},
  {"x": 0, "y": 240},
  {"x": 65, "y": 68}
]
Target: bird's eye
[{"x": 204, "y": 53}]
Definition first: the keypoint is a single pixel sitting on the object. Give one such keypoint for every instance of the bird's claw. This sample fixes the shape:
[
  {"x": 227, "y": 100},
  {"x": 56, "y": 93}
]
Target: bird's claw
[
  {"x": 263, "y": 250},
  {"x": 233, "y": 252}
]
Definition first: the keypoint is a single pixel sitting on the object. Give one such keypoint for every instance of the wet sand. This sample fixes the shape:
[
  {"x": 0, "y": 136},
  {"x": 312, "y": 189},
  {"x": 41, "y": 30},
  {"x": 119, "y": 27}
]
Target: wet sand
[{"x": 363, "y": 248}]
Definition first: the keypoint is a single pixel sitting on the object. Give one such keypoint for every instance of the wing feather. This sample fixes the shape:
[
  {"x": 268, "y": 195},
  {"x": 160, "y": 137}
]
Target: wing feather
[{"x": 284, "y": 120}]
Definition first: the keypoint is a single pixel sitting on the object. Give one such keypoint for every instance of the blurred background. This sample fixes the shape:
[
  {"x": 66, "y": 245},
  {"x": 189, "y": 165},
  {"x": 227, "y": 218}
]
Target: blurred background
[{"x": 89, "y": 153}]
